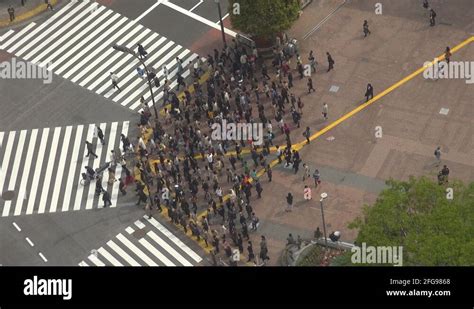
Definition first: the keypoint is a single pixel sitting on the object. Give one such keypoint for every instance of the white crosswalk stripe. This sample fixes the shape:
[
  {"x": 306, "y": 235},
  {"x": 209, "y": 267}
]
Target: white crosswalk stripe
[
  {"x": 150, "y": 243},
  {"x": 76, "y": 44},
  {"x": 43, "y": 168}
]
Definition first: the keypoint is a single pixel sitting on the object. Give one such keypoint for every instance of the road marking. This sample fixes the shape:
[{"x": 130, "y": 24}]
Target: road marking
[
  {"x": 325, "y": 19},
  {"x": 109, "y": 257},
  {"x": 104, "y": 67},
  {"x": 42, "y": 256},
  {"x": 37, "y": 174},
  {"x": 85, "y": 162},
  {"x": 16, "y": 36},
  {"x": 64, "y": 37},
  {"x": 95, "y": 260},
  {"x": 90, "y": 68},
  {"x": 26, "y": 172},
  {"x": 17, "y": 227},
  {"x": 30, "y": 242},
  {"x": 49, "y": 170},
  {"x": 71, "y": 175},
  {"x": 95, "y": 165},
  {"x": 115, "y": 187},
  {"x": 223, "y": 17},
  {"x": 174, "y": 239},
  {"x": 149, "y": 10},
  {"x": 6, "y": 159},
  {"x": 122, "y": 253},
  {"x": 93, "y": 49},
  {"x": 60, "y": 171},
  {"x": 83, "y": 264},
  {"x": 38, "y": 36},
  {"x": 54, "y": 35},
  {"x": 137, "y": 81},
  {"x": 136, "y": 250},
  {"x": 129, "y": 230},
  {"x": 66, "y": 46},
  {"x": 198, "y": 18},
  {"x": 155, "y": 252},
  {"x": 382, "y": 94},
  {"x": 126, "y": 58},
  {"x": 139, "y": 224},
  {"x": 86, "y": 46},
  {"x": 15, "y": 169},
  {"x": 199, "y": 3},
  {"x": 6, "y": 35},
  {"x": 110, "y": 147},
  {"x": 169, "y": 249}
]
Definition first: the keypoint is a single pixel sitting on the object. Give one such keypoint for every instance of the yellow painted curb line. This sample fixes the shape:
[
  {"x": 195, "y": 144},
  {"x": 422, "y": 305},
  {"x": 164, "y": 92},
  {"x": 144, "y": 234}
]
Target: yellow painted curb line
[{"x": 27, "y": 15}]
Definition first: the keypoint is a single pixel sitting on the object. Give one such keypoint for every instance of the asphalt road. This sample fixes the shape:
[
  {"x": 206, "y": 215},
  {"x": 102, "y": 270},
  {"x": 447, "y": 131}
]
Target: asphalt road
[{"x": 40, "y": 220}]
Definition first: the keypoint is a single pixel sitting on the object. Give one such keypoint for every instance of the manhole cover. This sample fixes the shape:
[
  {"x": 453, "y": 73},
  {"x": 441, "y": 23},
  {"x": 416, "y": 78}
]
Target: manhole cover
[{"x": 8, "y": 195}]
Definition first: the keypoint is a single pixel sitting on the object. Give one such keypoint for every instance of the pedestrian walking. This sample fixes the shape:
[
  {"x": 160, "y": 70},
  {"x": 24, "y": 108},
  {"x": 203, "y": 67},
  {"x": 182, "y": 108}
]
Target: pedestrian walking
[
  {"x": 111, "y": 176},
  {"x": 325, "y": 111},
  {"x": 106, "y": 198},
  {"x": 447, "y": 54},
  {"x": 48, "y": 5},
  {"x": 289, "y": 202},
  {"x": 114, "y": 79},
  {"x": 425, "y": 4},
  {"x": 437, "y": 154},
  {"x": 316, "y": 177},
  {"x": 365, "y": 27},
  {"x": 307, "y": 193},
  {"x": 307, "y": 134},
  {"x": 90, "y": 151},
  {"x": 100, "y": 134},
  {"x": 310, "y": 85},
  {"x": 444, "y": 175},
  {"x": 432, "y": 17},
  {"x": 369, "y": 93},
  {"x": 251, "y": 254},
  {"x": 269, "y": 172},
  {"x": 141, "y": 72},
  {"x": 122, "y": 186},
  {"x": 11, "y": 12},
  {"x": 263, "y": 249},
  {"x": 330, "y": 62},
  {"x": 307, "y": 173},
  {"x": 312, "y": 61},
  {"x": 259, "y": 189},
  {"x": 141, "y": 51}
]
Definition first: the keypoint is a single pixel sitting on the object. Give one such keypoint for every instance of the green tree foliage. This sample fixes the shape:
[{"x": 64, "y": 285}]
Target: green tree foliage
[
  {"x": 433, "y": 230},
  {"x": 263, "y": 18}
]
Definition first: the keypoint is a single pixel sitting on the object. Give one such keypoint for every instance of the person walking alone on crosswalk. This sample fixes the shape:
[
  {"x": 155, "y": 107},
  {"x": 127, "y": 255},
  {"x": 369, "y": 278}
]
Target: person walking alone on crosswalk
[
  {"x": 100, "y": 134},
  {"x": 90, "y": 150},
  {"x": 106, "y": 198},
  {"x": 142, "y": 53},
  {"x": 114, "y": 79}
]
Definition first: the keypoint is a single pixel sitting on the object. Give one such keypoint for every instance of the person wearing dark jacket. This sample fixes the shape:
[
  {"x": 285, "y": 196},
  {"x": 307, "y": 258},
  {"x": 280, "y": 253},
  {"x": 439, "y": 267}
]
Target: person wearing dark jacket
[{"x": 289, "y": 201}]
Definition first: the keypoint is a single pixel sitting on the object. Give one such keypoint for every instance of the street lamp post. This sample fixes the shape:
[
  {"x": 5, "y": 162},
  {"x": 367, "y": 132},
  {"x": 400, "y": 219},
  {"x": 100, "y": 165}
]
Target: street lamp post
[
  {"x": 220, "y": 20},
  {"x": 324, "y": 195},
  {"x": 127, "y": 50}
]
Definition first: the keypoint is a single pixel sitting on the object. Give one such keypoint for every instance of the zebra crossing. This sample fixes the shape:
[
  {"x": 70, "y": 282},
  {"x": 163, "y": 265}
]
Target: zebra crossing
[
  {"x": 43, "y": 168},
  {"x": 145, "y": 243},
  {"x": 76, "y": 44}
]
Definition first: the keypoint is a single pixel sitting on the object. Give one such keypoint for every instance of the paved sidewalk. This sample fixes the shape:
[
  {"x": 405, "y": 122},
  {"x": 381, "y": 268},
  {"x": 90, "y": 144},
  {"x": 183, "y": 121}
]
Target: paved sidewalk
[{"x": 22, "y": 13}]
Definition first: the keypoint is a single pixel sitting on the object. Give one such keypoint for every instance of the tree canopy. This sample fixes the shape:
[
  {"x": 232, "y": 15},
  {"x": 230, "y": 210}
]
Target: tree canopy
[
  {"x": 263, "y": 18},
  {"x": 416, "y": 214}
]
